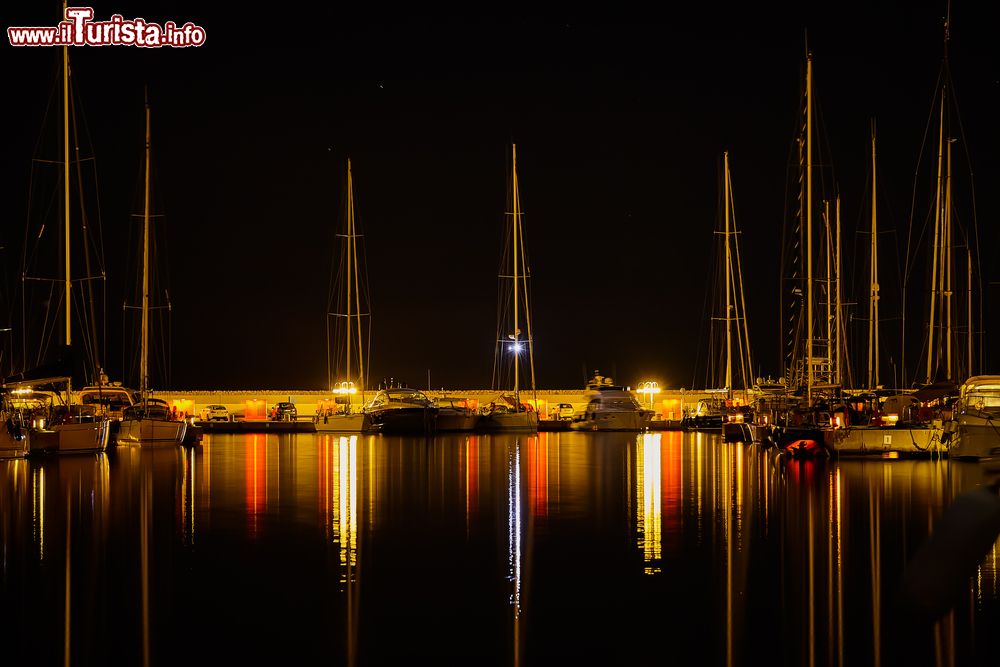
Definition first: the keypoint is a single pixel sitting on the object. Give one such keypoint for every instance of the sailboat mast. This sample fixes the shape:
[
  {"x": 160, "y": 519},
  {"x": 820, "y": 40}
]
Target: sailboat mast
[
  {"x": 517, "y": 223},
  {"x": 829, "y": 276},
  {"x": 66, "y": 259},
  {"x": 968, "y": 253},
  {"x": 357, "y": 291},
  {"x": 934, "y": 253},
  {"x": 809, "y": 276},
  {"x": 729, "y": 270},
  {"x": 947, "y": 252},
  {"x": 747, "y": 360},
  {"x": 873, "y": 296},
  {"x": 350, "y": 232},
  {"x": 144, "y": 352},
  {"x": 838, "y": 348}
]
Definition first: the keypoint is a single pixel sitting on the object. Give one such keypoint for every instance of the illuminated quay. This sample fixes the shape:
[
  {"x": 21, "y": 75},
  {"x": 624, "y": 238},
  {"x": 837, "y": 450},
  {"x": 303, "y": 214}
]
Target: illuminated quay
[{"x": 667, "y": 403}]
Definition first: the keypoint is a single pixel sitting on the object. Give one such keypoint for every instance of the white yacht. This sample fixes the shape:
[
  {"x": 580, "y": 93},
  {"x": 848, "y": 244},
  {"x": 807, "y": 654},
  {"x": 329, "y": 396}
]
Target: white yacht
[
  {"x": 975, "y": 428},
  {"x": 610, "y": 407}
]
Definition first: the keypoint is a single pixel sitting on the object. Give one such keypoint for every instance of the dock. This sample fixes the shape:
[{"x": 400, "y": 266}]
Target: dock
[{"x": 257, "y": 426}]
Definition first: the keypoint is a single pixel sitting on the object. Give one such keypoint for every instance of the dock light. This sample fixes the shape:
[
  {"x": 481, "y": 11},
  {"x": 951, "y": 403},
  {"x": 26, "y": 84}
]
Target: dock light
[
  {"x": 516, "y": 347},
  {"x": 345, "y": 388},
  {"x": 648, "y": 388}
]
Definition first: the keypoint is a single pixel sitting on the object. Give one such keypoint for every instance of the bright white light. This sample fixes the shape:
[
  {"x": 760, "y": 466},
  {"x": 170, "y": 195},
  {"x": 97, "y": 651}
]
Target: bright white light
[{"x": 516, "y": 347}]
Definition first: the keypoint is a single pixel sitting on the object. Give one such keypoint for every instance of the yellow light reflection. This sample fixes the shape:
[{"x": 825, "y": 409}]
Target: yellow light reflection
[
  {"x": 188, "y": 495},
  {"x": 345, "y": 521},
  {"x": 38, "y": 509},
  {"x": 649, "y": 514}
]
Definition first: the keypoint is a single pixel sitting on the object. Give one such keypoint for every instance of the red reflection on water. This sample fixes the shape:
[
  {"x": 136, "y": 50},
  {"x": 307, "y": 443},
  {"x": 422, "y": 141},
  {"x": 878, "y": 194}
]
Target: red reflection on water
[
  {"x": 256, "y": 479},
  {"x": 802, "y": 471},
  {"x": 471, "y": 475},
  {"x": 538, "y": 474},
  {"x": 671, "y": 465}
]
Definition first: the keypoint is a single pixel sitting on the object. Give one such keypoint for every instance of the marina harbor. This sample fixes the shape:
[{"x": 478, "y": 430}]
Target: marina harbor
[{"x": 329, "y": 339}]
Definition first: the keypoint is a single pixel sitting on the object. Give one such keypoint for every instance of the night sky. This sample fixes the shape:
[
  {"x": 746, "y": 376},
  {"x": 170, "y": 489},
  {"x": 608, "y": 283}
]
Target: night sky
[{"x": 620, "y": 128}]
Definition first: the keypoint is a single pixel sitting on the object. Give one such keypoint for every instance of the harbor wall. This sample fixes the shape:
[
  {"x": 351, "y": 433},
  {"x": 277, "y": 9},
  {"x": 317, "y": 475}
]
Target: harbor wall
[{"x": 668, "y": 403}]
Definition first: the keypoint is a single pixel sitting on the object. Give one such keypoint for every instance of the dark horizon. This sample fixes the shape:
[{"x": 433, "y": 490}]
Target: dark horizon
[{"x": 620, "y": 129}]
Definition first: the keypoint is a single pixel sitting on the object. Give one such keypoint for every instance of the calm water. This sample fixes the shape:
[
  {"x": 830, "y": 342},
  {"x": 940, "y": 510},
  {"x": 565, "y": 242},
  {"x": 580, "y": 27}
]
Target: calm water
[{"x": 551, "y": 549}]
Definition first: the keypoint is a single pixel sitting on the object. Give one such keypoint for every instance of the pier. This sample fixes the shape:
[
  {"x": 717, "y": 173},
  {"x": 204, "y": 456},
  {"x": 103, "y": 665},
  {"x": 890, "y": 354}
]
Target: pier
[{"x": 255, "y": 405}]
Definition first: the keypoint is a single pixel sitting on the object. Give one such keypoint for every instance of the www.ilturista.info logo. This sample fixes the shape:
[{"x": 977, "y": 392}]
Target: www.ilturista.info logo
[{"x": 80, "y": 30}]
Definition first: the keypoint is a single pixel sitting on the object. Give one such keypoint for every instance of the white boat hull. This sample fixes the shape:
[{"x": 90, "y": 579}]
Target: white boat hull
[
  {"x": 883, "y": 440},
  {"x": 611, "y": 421},
  {"x": 151, "y": 432},
  {"x": 510, "y": 421},
  {"x": 456, "y": 422},
  {"x": 975, "y": 439},
  {"x": 355, "y": 423},
  {"x": 73, "y": 438}
]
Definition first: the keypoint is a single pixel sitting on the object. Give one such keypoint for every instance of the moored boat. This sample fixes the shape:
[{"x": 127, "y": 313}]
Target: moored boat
[
  {"x": 975, "y": 428},
  {"x": 900, "y": 423},
  {"x": 43, "y": 415},
  {"x": 455, "y": 414},
  {"x": 507, "y": 413},
  {"x": 610, "y": 407},
  {"x": 150, "y": 421},
  {"x": 514, "y": 347},
  {"x": 401, "y": 410},
  {"x": 348, "y": 321},
  {"x": 13, "y": 434}
]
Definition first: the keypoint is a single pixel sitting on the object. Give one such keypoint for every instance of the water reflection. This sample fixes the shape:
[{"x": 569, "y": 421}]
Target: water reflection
[
  {"x": 649, "y": 517},
  {"x": 514, "y": 525},
  {"x": 490, "y": 549}
]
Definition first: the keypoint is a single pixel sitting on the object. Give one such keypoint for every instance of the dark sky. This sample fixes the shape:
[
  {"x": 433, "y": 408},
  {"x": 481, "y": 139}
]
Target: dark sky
[{"x": 619, "y": 126}]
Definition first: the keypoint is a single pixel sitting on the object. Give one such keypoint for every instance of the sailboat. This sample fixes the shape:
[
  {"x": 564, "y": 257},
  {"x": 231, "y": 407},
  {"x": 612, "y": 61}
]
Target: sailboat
[
  {"x": 149, "y": 422},
  {"x": 514, "y": 347},
  {"x": 41, "y": 414},
  {"x": 969, "y": 423},
  {"x": 813, "y": 348},
  {"x": 725, "y": 410},
  {"x": 737, "y": 413},
  {"x": 864, "y": 424},
  {"x": 345, "y": 412}
]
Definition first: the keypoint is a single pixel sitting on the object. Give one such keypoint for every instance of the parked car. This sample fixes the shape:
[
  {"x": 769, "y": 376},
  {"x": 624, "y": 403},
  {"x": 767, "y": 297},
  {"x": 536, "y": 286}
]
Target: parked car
[
  {"x": 565, "y": 411},
  {"x": 216, "y": 413},
  {"x": 284, "y": 412}
]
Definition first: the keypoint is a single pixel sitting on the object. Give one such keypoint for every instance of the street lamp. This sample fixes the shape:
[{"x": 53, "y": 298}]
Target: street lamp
[{"x": 648, "y": 388}]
